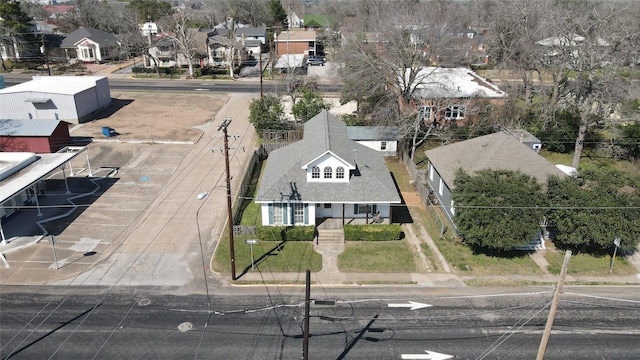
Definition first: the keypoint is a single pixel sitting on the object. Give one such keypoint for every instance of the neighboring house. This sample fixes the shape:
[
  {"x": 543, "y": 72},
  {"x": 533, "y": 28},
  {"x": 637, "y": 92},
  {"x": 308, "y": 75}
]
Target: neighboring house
[
  {"x": 498, "y": 151},
  {"x": 72, "y": 99},
  {"x": 225, "y": 51},
  {"x": 38, "y": 136},
  {"x": 253, "y": 39},
  {"x": 88, "y": 44},
  {"x": 294, "y": 21},
  {"x": 325, "y": 175},
  {"x": 379, "y": 138},
  {"x": 447, "y": 95},
  {"x": 162, "y": 52},
  {"x": 296, "y": 42}
]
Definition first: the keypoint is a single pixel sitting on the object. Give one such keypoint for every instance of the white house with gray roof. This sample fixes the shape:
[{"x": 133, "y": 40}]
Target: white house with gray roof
[
  {"x": 88, "y": 44},
  {"x": 325, "y": 175},
  {"x": 498, "y": 151}
]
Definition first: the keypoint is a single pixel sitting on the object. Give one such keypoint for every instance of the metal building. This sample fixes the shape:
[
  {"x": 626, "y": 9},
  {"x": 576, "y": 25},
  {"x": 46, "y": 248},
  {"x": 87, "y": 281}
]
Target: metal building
[{"x": 67, "y": 98}]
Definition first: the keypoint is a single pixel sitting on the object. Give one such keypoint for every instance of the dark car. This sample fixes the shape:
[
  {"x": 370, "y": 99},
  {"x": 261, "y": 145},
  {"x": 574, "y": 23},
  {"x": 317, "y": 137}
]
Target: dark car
[{"x": 315, "y": 60}]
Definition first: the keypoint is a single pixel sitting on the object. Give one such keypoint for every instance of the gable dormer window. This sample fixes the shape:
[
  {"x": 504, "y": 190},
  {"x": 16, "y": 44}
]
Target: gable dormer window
[
  {"x": 328, "y": 172},
  {"x": 315, "y": 172},
  {"x": 339, "y": 172}
]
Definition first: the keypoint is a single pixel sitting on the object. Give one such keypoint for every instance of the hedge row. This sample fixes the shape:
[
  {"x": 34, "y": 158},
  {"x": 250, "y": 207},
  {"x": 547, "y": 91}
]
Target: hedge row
[
  {"x": 372, "y": 232},
  {"x": 285, "y": 233}
]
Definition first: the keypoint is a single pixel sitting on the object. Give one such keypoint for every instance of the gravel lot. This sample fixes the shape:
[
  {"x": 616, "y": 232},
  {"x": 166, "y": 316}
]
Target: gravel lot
[{"x": 157, "y": 117}]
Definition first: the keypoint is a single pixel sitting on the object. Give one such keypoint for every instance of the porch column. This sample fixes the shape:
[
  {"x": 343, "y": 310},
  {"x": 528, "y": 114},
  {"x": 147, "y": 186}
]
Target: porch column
[
  {"x": 37, "y": 202},
  {"x": 66, "y": 184},
  {"x": 86, "y": 152},
  {"x": 4, "y": 240}
]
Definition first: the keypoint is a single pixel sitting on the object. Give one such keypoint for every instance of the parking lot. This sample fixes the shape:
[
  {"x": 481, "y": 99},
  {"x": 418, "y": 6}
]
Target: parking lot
[{"x": 133, "y": 217}]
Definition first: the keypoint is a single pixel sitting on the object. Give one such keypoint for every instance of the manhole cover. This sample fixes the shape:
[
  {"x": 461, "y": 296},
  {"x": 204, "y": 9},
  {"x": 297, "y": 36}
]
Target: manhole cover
[{"x": 185, "y": 326}]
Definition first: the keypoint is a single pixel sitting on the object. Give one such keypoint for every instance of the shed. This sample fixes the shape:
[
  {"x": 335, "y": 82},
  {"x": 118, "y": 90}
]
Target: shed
[
  {"x": 67, "y": 98},
  {"x": 36, "y": 136}
]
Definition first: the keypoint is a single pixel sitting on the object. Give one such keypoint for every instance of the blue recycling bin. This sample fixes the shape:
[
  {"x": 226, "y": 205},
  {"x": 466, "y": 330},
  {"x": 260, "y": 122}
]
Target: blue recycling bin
[{"x": 108, "y": 132}]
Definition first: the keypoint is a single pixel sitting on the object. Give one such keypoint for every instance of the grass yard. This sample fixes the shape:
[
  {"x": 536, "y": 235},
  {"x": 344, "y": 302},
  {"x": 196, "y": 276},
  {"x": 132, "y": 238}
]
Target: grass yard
[
  {"x": 378, "y": 256},
  {"x": 293, "y": 256},
  {"x": 583, "y": 264},
  {"x": 400, "y": 174},
  {"x": 463, "y": 261}
]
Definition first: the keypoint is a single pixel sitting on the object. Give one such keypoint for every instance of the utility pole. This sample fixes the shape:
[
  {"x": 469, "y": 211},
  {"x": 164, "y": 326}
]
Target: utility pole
[
  {"x": 46, "y": 57},
  {"x": 260, "y": 64},
  {"x": 307, "y": 304},
  {"x": 223, "y": 127},
  {"x": 554, "y": 307}
]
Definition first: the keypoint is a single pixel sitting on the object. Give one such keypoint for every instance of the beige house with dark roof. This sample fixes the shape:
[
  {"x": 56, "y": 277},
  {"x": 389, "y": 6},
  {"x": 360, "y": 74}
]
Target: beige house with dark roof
[{"x": 498, "y": 151}]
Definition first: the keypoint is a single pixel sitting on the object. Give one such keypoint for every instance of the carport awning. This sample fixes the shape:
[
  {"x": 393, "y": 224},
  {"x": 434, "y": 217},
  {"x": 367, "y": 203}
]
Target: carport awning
[
  {"x": 37, "y": 100},
  {"x": 289, "y": 61}
]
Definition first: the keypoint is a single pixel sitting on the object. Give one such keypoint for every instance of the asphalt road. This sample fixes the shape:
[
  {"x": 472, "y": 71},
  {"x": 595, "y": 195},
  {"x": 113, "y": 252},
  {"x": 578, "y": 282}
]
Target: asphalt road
[
  {"x": 130, "y": 323},
  {"x": 242, "y": 86}
]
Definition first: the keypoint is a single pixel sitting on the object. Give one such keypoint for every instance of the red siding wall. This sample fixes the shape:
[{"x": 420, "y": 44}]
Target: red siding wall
[{"x": 37, "y": 144}]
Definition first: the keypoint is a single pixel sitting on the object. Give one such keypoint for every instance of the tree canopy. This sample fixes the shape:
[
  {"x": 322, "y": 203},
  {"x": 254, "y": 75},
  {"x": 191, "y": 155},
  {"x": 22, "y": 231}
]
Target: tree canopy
[
  {"x": 266, "y": 113},
  {"x": 588, "y": 212},
  {"x": 309, "y": 105},
  {"x": 497, "y": 210},
  {"x": 150, "y": 10}
]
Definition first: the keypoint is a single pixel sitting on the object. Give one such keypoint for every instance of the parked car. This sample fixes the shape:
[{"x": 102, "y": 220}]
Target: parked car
[{"x": 315, "y": 60}]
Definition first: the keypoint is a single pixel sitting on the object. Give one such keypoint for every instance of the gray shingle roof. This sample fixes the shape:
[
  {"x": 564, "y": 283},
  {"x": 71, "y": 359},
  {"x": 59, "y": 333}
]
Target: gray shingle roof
[
  {"x": 251, "y": 31},
  {"x": 10, "y": 127},
  {"x": 285, "y": 178},
  {"x": 101, "y": 37},
  {"x": 498, "y": 151},
  {"x": 373, "y": 132}
]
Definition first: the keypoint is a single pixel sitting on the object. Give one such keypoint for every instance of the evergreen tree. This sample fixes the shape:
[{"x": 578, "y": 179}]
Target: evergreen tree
[{"x": 497, "y": 210}]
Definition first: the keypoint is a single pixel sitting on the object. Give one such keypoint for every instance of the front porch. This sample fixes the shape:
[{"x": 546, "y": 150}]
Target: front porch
[{"x": 336, "y": 223}]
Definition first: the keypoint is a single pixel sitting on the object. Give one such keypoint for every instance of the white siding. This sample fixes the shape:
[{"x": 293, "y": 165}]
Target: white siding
[{"x": 328, "y": 161}]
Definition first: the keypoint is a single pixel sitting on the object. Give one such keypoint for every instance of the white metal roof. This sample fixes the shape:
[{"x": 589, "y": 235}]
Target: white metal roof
[
  {"x": 24, "y": 178},
  {"x": 64, "y": 85}
]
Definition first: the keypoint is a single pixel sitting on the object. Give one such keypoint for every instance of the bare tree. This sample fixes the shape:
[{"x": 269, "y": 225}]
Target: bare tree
[
  {"x": 384, "y": 68},
  {"x": 591, "y": 47},
  {"x": 514, "y": 28},
  {"x": 186, "y": 40}
]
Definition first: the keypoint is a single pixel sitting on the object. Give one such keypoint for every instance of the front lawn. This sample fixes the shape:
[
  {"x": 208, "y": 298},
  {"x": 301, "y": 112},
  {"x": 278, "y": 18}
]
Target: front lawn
[
  {"x": 589, "y": 265},
  {"x": 269, "y": 256},
  {"x": 380, "y": 256}
]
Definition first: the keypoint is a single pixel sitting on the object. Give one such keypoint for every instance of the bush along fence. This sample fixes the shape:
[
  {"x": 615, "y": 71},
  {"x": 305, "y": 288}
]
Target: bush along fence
[
  {"x": 285, "y": 233},
  {"x": 377, "y": 232}
]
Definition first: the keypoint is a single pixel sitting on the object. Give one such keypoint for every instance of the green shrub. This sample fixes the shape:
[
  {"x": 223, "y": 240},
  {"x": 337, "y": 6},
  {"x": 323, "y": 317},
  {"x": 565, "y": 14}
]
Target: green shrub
[
  {"x": 285, "y": 233},
  {"x": 372, "y": 232}
]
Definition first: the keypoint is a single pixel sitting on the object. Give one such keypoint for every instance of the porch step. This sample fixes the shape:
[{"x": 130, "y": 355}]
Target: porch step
[{"x": 331, "y": 235}]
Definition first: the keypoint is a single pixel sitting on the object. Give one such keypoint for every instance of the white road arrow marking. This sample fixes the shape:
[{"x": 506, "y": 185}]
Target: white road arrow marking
[
  {"x": 412, "y": 305},
  {"x": 430, "y": 355}
]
